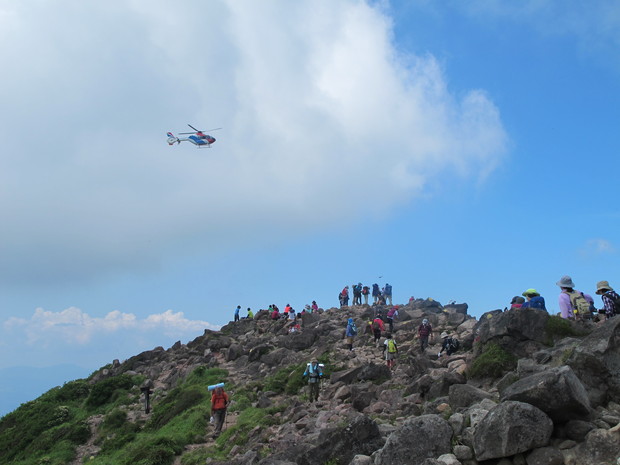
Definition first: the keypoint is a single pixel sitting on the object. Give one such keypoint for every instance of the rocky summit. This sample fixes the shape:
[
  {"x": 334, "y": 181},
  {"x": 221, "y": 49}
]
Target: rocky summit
[{"x": 524, "y": 388}]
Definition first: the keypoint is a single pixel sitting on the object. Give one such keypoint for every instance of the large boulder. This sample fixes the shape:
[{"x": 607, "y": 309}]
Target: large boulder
[
  {"x": 511, "y": 428},
  {"x": 418, "y": 439},
  {"x": 299, "y": 341},
  {"x": 601, "y": 447},
  {"x": 519, "y": 325},
  {"x": 557, "y": 392},
  {"x": 596, "y": 361},
  {"x": 342, "y": 444},
  {"x": 464, "y": 395}
]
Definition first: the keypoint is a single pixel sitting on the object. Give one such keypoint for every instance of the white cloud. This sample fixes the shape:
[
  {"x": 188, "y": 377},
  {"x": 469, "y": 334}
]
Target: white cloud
[
  {"x": 596, "y": 247},
  {"x": 322, "y": 118},
  {"x": 73, "y": 327}
]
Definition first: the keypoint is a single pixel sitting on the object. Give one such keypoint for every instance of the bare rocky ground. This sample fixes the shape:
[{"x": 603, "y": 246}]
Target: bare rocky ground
[{"x": 558, "y": 404}]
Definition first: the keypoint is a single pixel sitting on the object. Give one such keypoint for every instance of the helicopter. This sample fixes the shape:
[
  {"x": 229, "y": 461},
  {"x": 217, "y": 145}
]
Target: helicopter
[{"x": 198, "y": 138}]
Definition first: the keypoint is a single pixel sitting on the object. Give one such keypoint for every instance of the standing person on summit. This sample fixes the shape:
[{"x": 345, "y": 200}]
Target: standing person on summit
[
  {"x": 365, "y": 292},
  {"x": 237, "y": 312},
  {"x": 344, "y": 297},
  {"x": 376, "y": 293},
  {"x": 387, "y": 293},
  {"x": 357, "y": 294}
]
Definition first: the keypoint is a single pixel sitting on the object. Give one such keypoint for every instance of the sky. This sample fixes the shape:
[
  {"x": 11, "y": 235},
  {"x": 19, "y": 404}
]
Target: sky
[{"x": 460, "y": 151}]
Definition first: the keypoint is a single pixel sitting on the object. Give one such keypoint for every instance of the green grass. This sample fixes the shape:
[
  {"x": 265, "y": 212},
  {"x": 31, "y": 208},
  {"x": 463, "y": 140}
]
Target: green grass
[
  {"x": 558, "y": 328},
  {"x": 493, "y": 362}
]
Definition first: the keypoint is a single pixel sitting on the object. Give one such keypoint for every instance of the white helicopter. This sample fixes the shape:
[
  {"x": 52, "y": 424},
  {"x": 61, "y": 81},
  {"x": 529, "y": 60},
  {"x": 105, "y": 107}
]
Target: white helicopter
[{"x": 198, "y": 138}]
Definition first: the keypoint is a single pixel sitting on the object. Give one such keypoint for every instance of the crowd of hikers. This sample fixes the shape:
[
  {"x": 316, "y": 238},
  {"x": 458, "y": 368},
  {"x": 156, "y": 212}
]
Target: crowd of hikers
[{"x": 573, "y": 304}]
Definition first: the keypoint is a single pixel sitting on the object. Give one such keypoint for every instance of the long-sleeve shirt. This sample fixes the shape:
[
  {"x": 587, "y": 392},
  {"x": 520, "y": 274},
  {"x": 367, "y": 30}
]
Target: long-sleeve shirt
[{"x": 608, "y": 303}]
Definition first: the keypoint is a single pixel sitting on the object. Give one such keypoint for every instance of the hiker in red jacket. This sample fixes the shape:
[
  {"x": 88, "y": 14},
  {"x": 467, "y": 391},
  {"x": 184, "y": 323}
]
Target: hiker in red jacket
[
  {"x": 377, "y": 327},
  {"x": 219, "y": 403}
]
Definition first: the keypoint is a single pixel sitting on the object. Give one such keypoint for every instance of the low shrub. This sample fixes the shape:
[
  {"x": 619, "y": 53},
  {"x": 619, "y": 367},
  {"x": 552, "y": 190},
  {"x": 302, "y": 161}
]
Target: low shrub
[
  {"x": 493, "y": 362},
  {"x": 558, "y": 327},
  {"x": 108, "y": 390}
]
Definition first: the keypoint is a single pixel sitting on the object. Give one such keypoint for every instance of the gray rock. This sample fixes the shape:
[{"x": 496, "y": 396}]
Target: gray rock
[
  {"x": 577, "y": 430},
  {"x": 601, "y": 447},
  {"x": 464, "y": 395},
  {"x": 545, "y": 456},
  {"x": 457, "y": 422},
  {"x": 557, "y": 392},
  {"x": 361, "y": 460},
  {"x": 511, "y": 428},
  {"x": 462, "y": 452},
  {"x": 596, "y": 361},
  {"x": 432, "y": 438},
  {"x": 448, "y": 459},
  {"x": 346, "y": 376},
  {"x": 360, "y": 437}
]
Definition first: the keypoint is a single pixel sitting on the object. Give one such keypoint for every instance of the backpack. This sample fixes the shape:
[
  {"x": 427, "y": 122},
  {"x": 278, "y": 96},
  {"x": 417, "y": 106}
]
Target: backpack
[
  {"x": 391, "y": 346},
  {"x": 353, "y": 329},
  {"x": 365, "y": 290},
  {"x": 579, "y": 303},
  {"x": 390, "y": 313},
  {"x": 388, "y": 289},
  {"x": 454, "y": 344},
  {"x": 375, "y": 325}
]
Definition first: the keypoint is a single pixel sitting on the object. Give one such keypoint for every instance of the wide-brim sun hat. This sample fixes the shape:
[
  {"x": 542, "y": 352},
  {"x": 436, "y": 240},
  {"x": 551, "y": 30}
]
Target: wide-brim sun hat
[
  {"x": 531, "y": 292},
  {"x": 602, "y": 287},
  {"x": 444, "y": 335},
  {"x": 566, "y": 281}
]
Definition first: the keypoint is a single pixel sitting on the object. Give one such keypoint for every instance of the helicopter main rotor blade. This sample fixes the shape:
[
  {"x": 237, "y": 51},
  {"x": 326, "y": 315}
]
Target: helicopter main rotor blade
[{"x": 193, "y": 128}]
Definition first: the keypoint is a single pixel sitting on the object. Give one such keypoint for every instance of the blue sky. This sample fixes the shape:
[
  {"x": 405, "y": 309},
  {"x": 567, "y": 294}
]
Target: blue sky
[{"x": 458, "y": 150}]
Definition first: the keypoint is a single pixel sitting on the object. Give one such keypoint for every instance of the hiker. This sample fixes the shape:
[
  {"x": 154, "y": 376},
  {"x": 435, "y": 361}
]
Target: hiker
[
  {"x": 275, "y": 314},
  {"x": 387, "y": 293},
  {"x": 287, "y": 309},
  {"x": 391, "y": 315},
  {"x": 344, "y": 297},
  {"x": 425, "y": 332},
  {"x": 237, "y": 312},
  {"x": 610, "y": 298},
  {"x": 534, "y": 300},
  {"x": 291, "y": 314},
  {"x": 573, "y": 304},
  {"x": 314, "y": 372},
  {"x": 390, "y": 349},
  {"x": 377, "y": 327},
  {"x": 449, "y": 344},
  {"x": 368, "y": 328},
  {"x": 365, "y": 293},
  {"x": 376, "y": 293},
  {"x": 315, "y": 307},
  {"x": 516, "y": 302},
  {"x": 357, "y": 294},
  {"x": 250, "y": 314},
  {"x": 350, "y": 333},
  {"x": 219, "y": 403}
]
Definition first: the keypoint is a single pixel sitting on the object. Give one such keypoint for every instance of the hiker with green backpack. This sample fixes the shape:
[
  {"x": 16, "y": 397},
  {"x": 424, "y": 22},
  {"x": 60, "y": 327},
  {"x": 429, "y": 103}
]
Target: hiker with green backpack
[
  {"x": 574, "y": 305},
  {"x": 390, "y": 351}
]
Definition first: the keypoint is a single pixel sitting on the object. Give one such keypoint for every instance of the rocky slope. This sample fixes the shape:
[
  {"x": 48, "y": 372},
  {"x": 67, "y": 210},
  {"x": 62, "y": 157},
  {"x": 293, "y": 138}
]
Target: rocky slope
[{"x": 524, "y": 388}]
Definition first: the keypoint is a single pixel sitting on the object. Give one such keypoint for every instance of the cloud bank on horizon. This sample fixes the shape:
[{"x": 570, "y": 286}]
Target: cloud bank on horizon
[
  {"x": 75, "y": 331},
  {"x": 312, "y": 96}
]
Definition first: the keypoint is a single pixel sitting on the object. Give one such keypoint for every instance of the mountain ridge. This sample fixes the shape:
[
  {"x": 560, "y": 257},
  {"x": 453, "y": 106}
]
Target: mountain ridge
[{"x": 457, "y": 405}]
